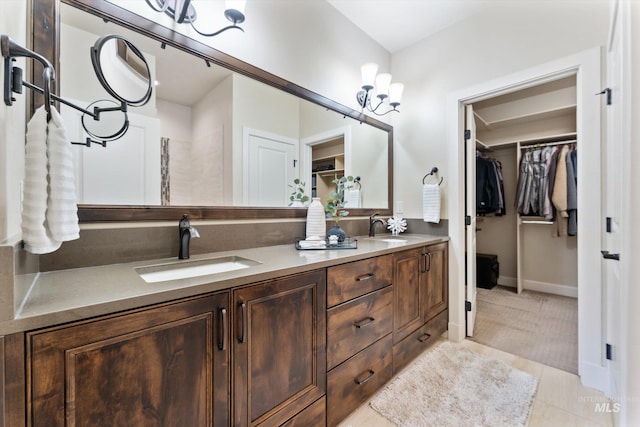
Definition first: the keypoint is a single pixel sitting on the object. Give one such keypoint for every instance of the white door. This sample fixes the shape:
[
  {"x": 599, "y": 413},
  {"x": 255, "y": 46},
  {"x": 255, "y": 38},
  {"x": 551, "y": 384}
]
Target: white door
[
  {"x": 135, "y": 158},
  {"x": 612, "y": 197},
  {"x": 272, "y": 167},
  {"x": 470, "y": 212}
]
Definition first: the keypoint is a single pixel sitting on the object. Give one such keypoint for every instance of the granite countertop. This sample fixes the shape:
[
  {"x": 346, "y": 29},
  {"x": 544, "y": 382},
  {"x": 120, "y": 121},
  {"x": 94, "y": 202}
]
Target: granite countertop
[{"x": 58, "y": 297}]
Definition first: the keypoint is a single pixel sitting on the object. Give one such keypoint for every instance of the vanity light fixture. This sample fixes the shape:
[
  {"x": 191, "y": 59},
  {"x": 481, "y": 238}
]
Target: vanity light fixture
[
  {"x": 384, "y": 90},
  {"x": 182, "y": 11}
]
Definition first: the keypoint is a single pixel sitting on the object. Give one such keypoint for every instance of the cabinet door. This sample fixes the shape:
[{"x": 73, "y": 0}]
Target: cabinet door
[
  {"x": 279, "y": 341},
  {"x": 407, "y": 314},
  {"x": 436, "y": 279},
  {"x": 163, "y": 366}
]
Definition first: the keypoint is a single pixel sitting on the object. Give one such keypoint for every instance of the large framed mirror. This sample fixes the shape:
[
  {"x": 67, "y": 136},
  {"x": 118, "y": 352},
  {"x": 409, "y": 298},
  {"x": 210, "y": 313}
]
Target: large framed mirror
[{"x": 243, "y": 137}]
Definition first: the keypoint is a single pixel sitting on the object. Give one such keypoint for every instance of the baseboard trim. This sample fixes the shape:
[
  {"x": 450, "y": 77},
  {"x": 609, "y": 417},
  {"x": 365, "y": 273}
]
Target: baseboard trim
[
  {"x": 594, "y": 376},
  {"x": 548, "y": 288},
  {"x": 456, "y": 333},
  {"x": 510, "y": 282}
]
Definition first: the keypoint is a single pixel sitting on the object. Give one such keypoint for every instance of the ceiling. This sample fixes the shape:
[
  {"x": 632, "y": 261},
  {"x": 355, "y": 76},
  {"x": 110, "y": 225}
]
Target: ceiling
[{"x": 396, "y": 24}]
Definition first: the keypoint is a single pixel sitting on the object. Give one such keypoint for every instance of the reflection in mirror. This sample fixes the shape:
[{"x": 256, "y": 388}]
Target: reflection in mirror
[
  {"x": 122, "y": 70},
  {"x": 210, "y": 137},
  {"x": 112, "y": 124}
]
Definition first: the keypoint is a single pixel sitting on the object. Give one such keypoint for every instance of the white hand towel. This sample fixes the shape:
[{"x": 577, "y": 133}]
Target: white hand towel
[
  {"x": 352, "y": 198},
  {"x": 35, "y": 231},
  {"x": 62, "y": 209},
  {"x": 49, "y": 210},
  {"x": 431, "y": 203}
]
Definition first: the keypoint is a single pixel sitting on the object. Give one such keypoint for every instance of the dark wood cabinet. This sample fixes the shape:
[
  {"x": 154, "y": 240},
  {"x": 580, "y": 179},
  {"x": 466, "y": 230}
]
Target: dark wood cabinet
[
  {"x": 279, "y": 347},
  {"x": 409, "y": 293},
  {"x": 300, "y": 350},
  {"x": 435, "y": 277},
  {"x": 163, "y": 366},
  {"x": 421, "y": 289}
]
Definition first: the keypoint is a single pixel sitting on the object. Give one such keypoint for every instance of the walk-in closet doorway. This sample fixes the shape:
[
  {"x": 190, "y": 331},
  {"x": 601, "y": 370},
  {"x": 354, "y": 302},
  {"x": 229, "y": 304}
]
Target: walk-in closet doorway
[
  {"x": 526, "y": 246},
  {"x": 585, "y": 68}
]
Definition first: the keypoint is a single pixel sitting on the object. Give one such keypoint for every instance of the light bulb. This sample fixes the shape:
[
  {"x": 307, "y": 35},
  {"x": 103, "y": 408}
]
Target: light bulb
[
  {"x": 395, "y": 93},
  {"x": 369, "y": 71},
  {"x": 383, "y": 80}
]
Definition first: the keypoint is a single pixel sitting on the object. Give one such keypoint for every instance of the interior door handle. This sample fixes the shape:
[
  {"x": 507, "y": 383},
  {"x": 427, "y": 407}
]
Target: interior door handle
[{"x": 607, "y": 255}]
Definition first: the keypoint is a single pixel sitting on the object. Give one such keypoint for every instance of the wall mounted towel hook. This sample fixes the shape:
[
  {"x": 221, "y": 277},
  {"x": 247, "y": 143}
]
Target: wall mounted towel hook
[{"x": 434, "y": 171}]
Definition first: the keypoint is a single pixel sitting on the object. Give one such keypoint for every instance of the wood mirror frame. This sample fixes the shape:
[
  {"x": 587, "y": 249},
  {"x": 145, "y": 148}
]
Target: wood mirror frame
[{"x": 45, "y": 23}]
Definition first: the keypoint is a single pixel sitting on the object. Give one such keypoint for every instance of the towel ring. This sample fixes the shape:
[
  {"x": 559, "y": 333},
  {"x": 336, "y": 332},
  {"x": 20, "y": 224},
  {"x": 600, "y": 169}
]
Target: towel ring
[{"x": 433, "y": 172}]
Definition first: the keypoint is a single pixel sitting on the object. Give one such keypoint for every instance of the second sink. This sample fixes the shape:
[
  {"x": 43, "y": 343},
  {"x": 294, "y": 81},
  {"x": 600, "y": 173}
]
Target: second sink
[{"x": 195, "y": 268}]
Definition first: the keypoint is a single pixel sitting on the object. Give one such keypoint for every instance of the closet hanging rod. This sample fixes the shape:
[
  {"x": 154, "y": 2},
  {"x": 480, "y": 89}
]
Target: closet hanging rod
[{"x": 548, "y": 144}]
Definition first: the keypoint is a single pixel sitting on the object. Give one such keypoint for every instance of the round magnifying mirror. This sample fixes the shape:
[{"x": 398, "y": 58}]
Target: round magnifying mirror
[
  {"x": 122, "y": 70},
  {"x": 113, "y": 122}
]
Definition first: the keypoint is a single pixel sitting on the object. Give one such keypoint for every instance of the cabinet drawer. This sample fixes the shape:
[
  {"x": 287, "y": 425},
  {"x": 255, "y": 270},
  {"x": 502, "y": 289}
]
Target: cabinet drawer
[
  {"x": 410, "y": 347},
  {"x": 354, "y": 279},
  {"x": 357, "y": 379},
  {"x": 313, "y": 416},
  {"x": 358, "y": 323}
]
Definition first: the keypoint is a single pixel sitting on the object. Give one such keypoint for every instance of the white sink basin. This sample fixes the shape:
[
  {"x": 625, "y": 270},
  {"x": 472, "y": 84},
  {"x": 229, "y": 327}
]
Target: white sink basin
[
  {"x": 392, "y": 240},
  {"x": 195, "y": 268}
]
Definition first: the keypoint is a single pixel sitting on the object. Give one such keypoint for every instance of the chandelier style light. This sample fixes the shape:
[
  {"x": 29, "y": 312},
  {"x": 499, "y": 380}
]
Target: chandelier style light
[
  {"x": 182, "y": 11},
  {"x": 388, "y": 93}
]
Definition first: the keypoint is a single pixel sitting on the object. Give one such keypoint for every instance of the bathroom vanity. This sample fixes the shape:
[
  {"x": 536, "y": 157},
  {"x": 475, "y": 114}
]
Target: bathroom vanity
[{"x": 299, "y": 338}]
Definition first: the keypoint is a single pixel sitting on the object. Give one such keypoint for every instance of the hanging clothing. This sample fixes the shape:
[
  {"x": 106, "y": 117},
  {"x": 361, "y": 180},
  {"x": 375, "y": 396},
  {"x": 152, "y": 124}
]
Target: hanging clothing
[
  {"x": 547, "y": 186},
  {"x": 572, "y": 196},
  {"x": 489, "y": 186},
  {"x": 559, "y": 196}
]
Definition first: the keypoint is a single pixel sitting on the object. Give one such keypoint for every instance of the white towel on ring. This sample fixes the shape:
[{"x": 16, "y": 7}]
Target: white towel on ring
[
  {"x": 49, "y": 214},
  {"x": 62, "y": 209},
  {"x": 431, "y": 203}
]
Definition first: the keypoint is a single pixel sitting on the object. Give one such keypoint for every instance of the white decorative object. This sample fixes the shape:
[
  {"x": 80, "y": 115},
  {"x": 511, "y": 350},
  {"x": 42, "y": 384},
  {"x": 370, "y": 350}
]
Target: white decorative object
[
  {"x": 397, "y": 225},
  {"x": 316, "y": 222}
]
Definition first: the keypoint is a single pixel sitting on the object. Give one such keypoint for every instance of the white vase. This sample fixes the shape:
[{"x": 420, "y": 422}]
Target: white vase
[{"x": 316, "y": 222}]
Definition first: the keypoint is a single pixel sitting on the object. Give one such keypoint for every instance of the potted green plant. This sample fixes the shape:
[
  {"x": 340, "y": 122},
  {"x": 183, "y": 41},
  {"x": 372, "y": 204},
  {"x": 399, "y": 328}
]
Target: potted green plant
[
  {"x": 335, "y": 205},
  {"x": 297, "y": 197}
]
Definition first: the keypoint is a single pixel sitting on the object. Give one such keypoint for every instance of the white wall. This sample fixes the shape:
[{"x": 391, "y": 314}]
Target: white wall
[
  {"x": 306, "y": 42},
  {"x": 12, "y": 127},
  {"x": 516, "y": 36}
]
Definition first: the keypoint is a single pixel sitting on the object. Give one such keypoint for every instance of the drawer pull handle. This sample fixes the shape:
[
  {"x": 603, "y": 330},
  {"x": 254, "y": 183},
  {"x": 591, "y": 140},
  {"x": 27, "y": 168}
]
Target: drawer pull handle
[
  {"x": 369, "y": 374},
  {"x": 243, "y": 327},
  {"x": 424, "y": 338},
  {"x": 222, "y": 345},
  {"x": 365, "y": 277},
  {"x": 364, "y": 322}
]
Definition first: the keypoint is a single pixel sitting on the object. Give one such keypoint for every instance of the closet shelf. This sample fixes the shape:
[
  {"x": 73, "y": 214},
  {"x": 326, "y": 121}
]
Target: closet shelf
[
  {"x": 330, "y": 172},
  {"x": 530, "y": 117},
  {"x": 329, "y": 157}
]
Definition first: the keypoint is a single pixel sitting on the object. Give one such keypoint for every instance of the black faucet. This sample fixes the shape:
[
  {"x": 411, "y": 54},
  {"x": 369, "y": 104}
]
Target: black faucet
[
  {"x": 372, "y": 224},
  {"x": 185, "y": 236}
]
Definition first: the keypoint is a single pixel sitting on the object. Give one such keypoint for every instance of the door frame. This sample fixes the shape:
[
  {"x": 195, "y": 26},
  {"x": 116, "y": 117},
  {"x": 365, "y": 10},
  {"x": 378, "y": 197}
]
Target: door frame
[
  {"x": 306, "y": 149},
  {"x": 586, "y": 66}
]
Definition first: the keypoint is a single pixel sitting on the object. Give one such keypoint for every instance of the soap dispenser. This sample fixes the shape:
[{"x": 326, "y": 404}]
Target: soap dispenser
[{"x": 185, "y": 237}]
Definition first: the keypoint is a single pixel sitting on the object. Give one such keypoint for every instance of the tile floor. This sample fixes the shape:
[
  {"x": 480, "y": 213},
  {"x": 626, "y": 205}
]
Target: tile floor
[{"x": 560, "y": 400}]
